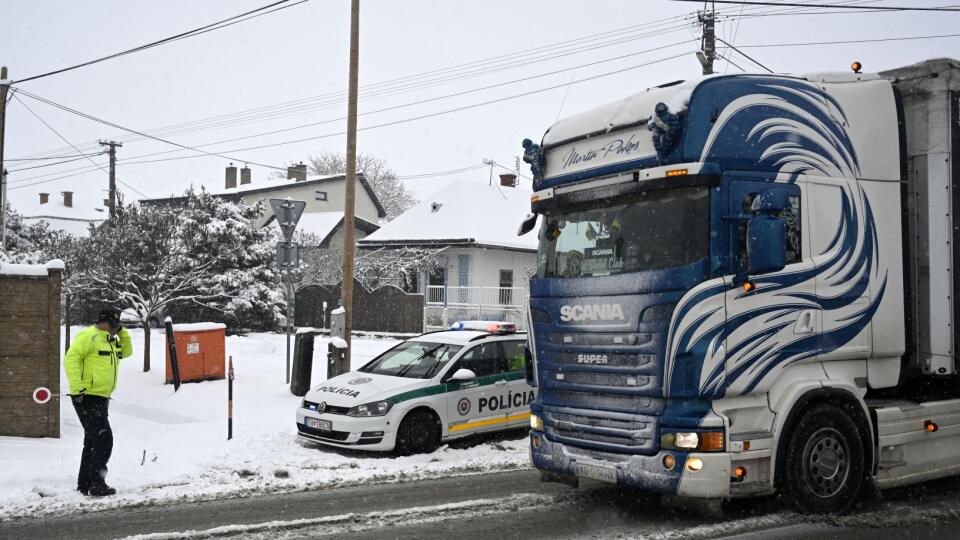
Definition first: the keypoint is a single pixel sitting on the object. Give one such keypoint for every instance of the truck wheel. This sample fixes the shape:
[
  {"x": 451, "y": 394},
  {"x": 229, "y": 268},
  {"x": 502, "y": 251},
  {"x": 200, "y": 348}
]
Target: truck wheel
[
  {"x": 419, "y": 432},
  {"x": 823, "y": 462}
]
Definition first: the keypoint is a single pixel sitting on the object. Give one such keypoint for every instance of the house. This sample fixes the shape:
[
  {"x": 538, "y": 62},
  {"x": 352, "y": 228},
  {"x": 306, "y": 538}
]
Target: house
[
  {"x": 471, "y": 228},
  {"x": 323, "y": 254},
  {"x": 321, "y": 193},
  {"x": 64, "y": 211}
]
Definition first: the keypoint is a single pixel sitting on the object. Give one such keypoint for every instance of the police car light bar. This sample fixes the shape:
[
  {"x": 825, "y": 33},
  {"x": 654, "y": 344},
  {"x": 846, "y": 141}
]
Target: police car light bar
[{"x": 493, "y": 327}]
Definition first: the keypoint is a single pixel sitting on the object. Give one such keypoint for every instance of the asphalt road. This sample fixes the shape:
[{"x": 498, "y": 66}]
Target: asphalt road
[{"x": 503, "y": 506}]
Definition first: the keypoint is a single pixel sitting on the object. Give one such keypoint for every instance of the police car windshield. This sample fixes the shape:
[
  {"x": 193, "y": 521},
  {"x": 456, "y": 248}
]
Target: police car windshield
[
  {"x": 413, "y": 359},
  {"x": 653, "y": 231}
]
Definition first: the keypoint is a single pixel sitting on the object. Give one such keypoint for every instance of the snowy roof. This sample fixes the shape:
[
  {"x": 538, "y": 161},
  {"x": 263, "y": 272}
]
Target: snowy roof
[
  {"x": 323, "y": 224},
  {"x": 462, "y": 213},
  {"x": 266, "y": 188},
  {"x": 10, "y": 269},
  {"x": 72, "y": 219},
  {"x": 627, "y": 111}
]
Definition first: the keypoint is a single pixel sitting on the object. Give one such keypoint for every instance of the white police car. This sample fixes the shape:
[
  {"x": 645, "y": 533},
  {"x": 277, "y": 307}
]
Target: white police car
[{"x": 432, "y": 388}]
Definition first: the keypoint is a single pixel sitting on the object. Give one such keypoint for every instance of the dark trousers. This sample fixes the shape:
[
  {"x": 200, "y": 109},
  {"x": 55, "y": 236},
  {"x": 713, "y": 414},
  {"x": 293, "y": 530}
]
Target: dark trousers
[{"x": 97, "y": 440}]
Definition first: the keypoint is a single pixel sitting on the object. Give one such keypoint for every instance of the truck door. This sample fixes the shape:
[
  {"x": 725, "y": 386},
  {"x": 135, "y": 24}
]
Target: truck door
[
  {"x": 776, "y": 323},
  {"x": 843, "y": 283}
]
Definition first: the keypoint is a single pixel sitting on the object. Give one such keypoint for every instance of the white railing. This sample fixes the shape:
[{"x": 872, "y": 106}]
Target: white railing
[
  {"x": 445, "y": 305},
  {"x": 487, "y": 297}
]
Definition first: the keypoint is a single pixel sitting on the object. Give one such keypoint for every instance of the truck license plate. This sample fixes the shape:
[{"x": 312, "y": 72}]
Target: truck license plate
[
  {"x": 596, "y": 472},
  {"x": 322, "y": 425}
]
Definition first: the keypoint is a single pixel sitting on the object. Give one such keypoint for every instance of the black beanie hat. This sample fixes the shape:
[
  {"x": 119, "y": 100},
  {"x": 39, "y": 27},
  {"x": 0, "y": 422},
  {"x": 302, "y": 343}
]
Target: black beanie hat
[{"x": 109, "y": 315}]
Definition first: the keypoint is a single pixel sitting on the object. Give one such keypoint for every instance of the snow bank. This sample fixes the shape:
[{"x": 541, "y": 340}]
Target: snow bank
[
  {"x": 198, "y": 327},
  {"x": 10, "y": 269},
  {"x": 172, "y": 447}
]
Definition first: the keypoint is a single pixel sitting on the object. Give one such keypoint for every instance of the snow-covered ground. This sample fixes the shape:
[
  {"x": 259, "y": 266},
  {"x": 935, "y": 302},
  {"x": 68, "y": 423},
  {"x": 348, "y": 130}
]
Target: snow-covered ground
[{"x": 172, "y": 446}]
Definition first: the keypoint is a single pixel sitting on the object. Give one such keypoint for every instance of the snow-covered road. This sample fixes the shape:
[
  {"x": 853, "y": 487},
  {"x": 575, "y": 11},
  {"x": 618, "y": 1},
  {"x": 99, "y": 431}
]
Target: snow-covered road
[{"x": 172, "y": 446}]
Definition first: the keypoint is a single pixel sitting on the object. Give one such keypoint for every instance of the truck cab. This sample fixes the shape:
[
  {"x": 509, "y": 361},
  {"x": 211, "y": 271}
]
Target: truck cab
[{"x": 725, "y": 291}]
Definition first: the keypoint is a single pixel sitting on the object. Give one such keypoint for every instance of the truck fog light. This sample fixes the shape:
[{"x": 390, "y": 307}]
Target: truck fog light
[
  {"x": 537, "y": 442},
  {"x": 669, "y": 462},
  {"x": 694, "y": 464}
]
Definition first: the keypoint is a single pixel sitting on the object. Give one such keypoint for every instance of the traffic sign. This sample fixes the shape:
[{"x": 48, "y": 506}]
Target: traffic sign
[
  {"x": 287, "y": 212},
  {"x": 288, "y": 255},
  {"x": 42, "y": 395}
]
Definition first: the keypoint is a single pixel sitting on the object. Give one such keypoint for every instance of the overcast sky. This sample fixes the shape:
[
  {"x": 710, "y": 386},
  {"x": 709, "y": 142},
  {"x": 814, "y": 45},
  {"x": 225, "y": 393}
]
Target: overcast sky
[{"x": 300, "y": 54}]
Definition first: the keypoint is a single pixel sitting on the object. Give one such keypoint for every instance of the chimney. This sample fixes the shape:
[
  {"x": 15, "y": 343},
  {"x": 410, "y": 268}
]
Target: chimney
[
  {"x": 67, "y": 198},
  {"x": 231, "y": 176},
  {"x": 508, "y": 180},
  {"x": 297, "y": 172},
  {"x": 245, "y": 177},
  {"x": 44, "y": 198}
]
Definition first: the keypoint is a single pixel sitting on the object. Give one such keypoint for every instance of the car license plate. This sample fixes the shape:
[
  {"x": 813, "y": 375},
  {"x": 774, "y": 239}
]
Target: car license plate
[
  {"x": 322, "y": 425},
  {"x": 596, "y": 472}
]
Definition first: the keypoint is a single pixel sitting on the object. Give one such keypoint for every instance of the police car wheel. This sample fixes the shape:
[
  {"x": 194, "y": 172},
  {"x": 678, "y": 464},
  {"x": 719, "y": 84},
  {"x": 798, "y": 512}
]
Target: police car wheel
[
  {"x": 419, "y": 432},
  {"x": 823, "y": 462}
]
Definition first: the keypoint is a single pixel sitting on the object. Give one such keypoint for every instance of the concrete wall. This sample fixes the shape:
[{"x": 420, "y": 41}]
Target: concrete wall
[
  {"x": 29, "y": 354},
  {"x": 335, "y": 189}
]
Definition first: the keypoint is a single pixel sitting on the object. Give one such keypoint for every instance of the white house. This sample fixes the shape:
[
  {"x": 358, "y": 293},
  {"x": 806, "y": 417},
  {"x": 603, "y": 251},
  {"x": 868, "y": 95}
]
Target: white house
[
  {"x": 321, "y": 193},
  {"x": 472, "y": 228},
  {"x": 63, "y": 211}
]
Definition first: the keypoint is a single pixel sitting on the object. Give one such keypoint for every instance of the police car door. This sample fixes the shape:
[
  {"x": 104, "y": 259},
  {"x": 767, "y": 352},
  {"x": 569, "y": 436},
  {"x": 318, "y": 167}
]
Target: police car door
[
  {"x": 474, "y": 406},
  {"x": 519, "y": 393}
]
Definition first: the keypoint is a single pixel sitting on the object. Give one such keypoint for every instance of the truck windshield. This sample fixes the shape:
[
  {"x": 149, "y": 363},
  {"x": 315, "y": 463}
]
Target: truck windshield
[
  {"x": 653, "y": 231},
  {"x": 413, "y": 359}
]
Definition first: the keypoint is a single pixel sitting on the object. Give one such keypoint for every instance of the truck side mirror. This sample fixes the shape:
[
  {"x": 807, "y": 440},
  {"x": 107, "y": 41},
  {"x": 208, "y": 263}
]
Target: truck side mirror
[
  {"x": 527, "y": 224},
  {"x": 766, "y": 245},
  {"x": 770, "y": 201}
]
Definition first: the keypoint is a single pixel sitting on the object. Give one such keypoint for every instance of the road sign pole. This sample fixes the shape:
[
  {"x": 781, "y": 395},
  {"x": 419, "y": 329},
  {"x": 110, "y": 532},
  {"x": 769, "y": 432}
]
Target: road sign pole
[{"x": 288, "y": 212}]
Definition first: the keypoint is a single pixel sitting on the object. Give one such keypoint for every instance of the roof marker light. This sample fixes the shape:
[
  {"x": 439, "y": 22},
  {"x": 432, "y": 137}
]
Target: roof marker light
[{"x": 856, "y": 66}]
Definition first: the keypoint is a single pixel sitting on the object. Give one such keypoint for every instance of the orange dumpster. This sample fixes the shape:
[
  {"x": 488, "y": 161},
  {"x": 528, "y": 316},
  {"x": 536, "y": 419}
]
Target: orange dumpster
[{"x": 201, "y": 351}]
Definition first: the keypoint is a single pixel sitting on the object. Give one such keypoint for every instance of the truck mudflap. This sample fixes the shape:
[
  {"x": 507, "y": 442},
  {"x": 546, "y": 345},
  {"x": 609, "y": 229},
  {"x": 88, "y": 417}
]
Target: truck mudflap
[{"x": 700, "y": 475}]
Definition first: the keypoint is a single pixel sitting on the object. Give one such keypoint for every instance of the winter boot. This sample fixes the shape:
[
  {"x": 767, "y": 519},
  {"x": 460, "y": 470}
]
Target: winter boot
[{"x": 100, "y": 490}]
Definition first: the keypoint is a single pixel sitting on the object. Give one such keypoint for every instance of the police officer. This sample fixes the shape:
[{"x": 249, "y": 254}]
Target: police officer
[{"x": 91, "y": 365}]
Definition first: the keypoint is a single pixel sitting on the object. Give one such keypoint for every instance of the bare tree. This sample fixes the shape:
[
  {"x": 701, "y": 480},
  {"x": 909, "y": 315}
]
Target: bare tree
[
  {"x": 393, "y": 194},
  {"x": 395, "y": 266}
]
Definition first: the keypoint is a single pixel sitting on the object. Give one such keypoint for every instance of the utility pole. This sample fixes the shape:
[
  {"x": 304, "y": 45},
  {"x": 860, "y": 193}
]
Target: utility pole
[
  {"x": 4, "y": 89},
  {"x": 491, "y": 163},
  {"x": 113, "y": 174},
  {"x": 346, "y": 284},
  {"x": 708, "y": 52}
]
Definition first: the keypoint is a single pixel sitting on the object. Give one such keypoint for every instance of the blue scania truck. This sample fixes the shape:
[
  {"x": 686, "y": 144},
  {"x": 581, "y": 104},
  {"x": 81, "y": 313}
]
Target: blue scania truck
[{"x": 746, "y": 285}]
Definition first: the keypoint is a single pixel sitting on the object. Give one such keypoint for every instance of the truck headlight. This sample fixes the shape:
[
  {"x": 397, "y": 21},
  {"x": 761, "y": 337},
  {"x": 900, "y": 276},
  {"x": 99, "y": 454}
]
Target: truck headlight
[
  {"x": 536, "y": 423},
  {"x": 700, "y": 441},
  {"x": 377, "y": 408}
]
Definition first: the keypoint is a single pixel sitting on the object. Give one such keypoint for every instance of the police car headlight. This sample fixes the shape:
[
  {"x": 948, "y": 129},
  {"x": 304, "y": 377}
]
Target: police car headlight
[{"x": 377, "y": 408}]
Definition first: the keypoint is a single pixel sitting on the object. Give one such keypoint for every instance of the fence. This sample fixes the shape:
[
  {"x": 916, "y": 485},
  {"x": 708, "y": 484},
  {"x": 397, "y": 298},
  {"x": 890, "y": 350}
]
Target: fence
[
  {"x": 386, "y": 309},
  {"x": 448, "y": 304},
  {"x": 29, "y": 349}
]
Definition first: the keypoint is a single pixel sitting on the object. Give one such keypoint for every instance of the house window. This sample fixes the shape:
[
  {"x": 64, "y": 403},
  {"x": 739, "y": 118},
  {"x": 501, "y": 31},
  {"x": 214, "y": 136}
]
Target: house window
[
  {"x": 506, "y": 287},
  {"x": 463, "y": 276},
  {"x": 321, "y": 195}
]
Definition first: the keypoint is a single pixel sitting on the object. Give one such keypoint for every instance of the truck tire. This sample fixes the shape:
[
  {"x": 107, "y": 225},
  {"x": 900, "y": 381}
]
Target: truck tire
[
  {"x": 823, "y": 462},
  {"x": 419, "y": 433}
]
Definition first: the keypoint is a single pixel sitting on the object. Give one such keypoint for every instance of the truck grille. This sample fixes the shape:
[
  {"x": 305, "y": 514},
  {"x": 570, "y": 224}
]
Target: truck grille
[{"x": 602, "y": 430}]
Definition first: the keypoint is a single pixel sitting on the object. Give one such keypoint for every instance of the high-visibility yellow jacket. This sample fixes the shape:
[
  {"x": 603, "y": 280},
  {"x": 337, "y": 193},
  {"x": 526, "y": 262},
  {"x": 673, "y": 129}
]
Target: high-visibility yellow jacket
[{"x": 93, "y": 360}]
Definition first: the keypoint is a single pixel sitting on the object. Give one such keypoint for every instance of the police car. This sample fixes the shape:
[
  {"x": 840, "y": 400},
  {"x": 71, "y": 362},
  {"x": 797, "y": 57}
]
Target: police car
[{"x": 432, "y": 388}]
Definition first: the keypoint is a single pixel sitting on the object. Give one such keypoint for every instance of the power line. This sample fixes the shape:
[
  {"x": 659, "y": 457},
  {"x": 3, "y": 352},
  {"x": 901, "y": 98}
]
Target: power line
[
  {"x": 55, "y": 157},
  {"x": 183, "y": 35},
  {"x": 835, "y": 6},
  {"x": 118, "y": 126},
  {"x": 82, "y": 156},
  {"x": 846, "y": 41},
  {"x": 335, "y": 98},
  {"x": 745, "y": 55},
  {"x": 441, "y": 173}
]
